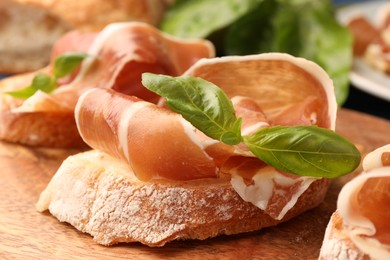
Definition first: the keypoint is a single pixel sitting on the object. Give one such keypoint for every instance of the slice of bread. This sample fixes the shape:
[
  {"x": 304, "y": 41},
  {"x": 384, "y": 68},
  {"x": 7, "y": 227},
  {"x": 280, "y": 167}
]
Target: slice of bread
[
  {"x": 337, "y": 244},
  {"x": 100, "y": 195},
  {"x": 54, "y": 128}
]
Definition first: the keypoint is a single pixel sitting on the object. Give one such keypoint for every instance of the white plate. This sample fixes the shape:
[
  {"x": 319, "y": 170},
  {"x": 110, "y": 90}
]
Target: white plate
[{"x": 362, "y": 75}]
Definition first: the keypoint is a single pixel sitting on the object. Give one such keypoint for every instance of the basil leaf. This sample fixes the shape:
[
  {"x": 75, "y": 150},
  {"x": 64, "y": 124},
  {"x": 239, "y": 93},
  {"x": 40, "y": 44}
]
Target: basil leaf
[
  {"x": 41, "y": 82},
  {"x": 67, "y": 63},
  {"x": 44, "y": 82},
  {"x": 304, "y": 150},
  {"x": 23, "y": 93},
  {"x": 199, "y": 18},
  {"x": 200, "y": 102}
]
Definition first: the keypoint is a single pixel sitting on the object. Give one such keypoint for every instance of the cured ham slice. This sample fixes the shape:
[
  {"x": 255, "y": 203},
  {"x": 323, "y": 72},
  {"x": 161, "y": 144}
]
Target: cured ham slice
[
  {"x": 153, "y": 140},
  {"x": 275, "y": 81},
  {"x": 362, "y": 204},
  {"x": 121, "y": 53},
  {"x": 118, "y": 56},
  {"x": 159, "y": 143}
]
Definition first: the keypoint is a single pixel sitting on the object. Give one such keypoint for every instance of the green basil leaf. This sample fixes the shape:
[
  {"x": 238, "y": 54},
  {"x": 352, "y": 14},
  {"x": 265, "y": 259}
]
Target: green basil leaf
[
  {"x": 44, "y": 82},
  {"x": 304, "y": 150},
  {"x": 23, "y": 93},
  {"x": 200, "y": 102},
  {"x": 67, "y": 63},
  {"x": 41, "y": 82}
]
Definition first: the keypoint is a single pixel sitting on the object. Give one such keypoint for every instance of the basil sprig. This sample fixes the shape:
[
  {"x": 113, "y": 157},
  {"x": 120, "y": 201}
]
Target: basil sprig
[
  {"x": 64, "y": 65},
  {"x": 302, "y": 150}
]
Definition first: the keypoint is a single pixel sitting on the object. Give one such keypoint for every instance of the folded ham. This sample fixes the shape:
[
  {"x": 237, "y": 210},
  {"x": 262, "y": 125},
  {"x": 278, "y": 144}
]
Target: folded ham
[{"x": 118, "y": 55}]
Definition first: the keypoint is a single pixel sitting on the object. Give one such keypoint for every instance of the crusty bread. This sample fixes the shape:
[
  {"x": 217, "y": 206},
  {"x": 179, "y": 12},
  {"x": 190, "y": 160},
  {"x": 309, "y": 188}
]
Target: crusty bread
[
  {"x": 29, "y": 28},
  {"x": 100, "y": 195},
  {"x": 46, "y": 129},
  {"x": 337, "y": 245},
  {"x": 56, "y": 128}
]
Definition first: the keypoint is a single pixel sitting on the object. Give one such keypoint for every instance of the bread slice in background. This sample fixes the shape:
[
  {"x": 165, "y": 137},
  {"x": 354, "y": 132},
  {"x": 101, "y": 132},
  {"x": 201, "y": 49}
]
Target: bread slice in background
[{"x": 29, "y": 28}]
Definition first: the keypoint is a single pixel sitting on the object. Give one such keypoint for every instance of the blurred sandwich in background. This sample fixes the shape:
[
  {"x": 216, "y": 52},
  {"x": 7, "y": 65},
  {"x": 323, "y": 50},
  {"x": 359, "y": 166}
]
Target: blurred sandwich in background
[{"x": 29, "y": 28}]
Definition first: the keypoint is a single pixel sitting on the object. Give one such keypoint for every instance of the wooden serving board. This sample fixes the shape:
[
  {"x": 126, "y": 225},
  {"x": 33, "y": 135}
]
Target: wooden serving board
[{"x": 28, "y": 234}]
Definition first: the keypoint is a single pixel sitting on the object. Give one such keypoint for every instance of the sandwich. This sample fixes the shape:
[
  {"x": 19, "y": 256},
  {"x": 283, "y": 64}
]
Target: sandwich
[
  {"x": 37, "y": 108},
  {"x": 235, "y": 144},
  {"x": 372, "y": 38},
  {"x": 29, "y": 28},
  {"x": 359, "y": 228}
]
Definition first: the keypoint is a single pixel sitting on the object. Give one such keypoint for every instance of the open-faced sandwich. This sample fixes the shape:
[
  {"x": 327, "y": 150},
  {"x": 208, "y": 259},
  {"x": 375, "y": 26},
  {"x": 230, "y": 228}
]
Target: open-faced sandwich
[
  {"x": 215, "y": 156},
  {"x": 360, "y": 227},
  {"x": 29, "y": 28},
  {"x": 37, "y": 109},
  {"x": 372, "y": 38}
]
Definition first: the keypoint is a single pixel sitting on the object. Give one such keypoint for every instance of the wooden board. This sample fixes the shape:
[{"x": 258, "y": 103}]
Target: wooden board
[{"x": 26, "y": 234}]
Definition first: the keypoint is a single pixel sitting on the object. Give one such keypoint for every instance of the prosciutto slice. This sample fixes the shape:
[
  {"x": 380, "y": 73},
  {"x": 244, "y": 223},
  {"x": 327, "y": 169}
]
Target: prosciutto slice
[
  {"x": 153, "y": 140},
  {"x": 119, "y": 54},
  {"x": 363, "y": 204}
]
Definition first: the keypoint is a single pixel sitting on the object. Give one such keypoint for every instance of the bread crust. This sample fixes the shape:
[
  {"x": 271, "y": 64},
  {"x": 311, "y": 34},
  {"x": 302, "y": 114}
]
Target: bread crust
[
  {"x": 42, "y": 128},
  {"x": 100, "y": 195},
  {"x": 337, "y": 245}
]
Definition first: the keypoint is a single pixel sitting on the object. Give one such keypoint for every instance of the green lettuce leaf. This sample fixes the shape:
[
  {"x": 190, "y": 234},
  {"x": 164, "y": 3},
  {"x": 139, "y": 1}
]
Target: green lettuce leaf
[{"x": 200, "y": 18}]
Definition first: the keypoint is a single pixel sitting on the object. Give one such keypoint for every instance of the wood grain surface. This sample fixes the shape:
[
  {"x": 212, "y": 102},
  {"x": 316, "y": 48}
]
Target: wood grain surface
[{"x": 28, "y": 234}]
